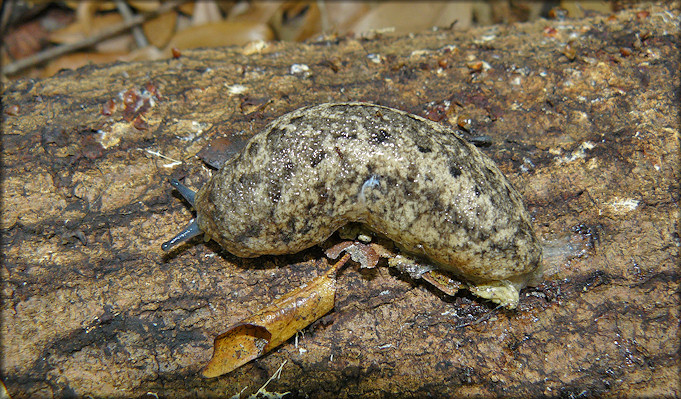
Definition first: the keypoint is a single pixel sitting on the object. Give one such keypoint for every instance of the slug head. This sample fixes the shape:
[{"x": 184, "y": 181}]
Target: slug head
[{"x": 192, "y": 229}]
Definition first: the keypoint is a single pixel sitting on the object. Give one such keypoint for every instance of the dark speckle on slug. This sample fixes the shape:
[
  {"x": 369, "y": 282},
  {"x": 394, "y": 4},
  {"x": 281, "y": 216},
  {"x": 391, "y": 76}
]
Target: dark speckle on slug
[{"x": 414, "y": 181}]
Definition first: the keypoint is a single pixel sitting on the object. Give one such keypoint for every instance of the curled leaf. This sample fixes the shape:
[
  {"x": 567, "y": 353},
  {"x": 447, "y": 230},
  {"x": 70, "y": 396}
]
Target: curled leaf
[
  {"x": 443, "y": 282},
  {"x": 419, "y": 270},
  {"x": 273, "y": 325},
  {"x": 363, "y": 254}
]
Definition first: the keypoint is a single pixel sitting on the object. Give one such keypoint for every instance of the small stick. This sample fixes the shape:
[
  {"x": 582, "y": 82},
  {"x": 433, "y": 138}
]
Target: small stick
[{"x": 137, "y": 31}]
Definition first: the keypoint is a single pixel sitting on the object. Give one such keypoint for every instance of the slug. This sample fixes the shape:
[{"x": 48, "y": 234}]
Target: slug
[{"x": 414, "y": 181}]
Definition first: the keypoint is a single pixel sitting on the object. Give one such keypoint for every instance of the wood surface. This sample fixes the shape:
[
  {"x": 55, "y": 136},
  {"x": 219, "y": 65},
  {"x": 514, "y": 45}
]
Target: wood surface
[{"x": 582, "y": 116}]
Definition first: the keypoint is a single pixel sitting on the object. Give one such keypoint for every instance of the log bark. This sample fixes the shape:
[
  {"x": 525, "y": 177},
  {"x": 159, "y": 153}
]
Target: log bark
[{"x": 582, "y": 116}]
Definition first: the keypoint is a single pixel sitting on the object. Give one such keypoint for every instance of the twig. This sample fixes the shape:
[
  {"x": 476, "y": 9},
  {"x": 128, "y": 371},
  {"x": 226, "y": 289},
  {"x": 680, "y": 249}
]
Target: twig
[
  {"x": 5, "y": 13},
  {"x": 137, "y": 32},
  {"x": 175, "y": 162},
  {"x": 87, "y": 42},
  {"x": 277, "y": 375}
]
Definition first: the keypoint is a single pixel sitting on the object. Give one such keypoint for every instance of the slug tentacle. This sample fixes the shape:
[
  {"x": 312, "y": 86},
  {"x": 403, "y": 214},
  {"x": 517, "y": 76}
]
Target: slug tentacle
[
  {"x": 186, "y": 192},
  {"x": 192, "y": 230}
]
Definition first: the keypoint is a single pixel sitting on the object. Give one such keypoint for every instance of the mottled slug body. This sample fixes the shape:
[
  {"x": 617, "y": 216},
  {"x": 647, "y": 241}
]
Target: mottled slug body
[{"x": 412, "y": 180}]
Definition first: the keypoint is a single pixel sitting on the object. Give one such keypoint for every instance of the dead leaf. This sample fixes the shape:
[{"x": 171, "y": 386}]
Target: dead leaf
[
  {"x": 91, "y": 6},
  {"x": 273, "y": 325},
  {"x": 368, "y": 254},
  {"x": 364, "y": 254},
  {"x": 147, "y": 53},
  {"x": 187, "y": 8},
  {"x": 337, "y": 16},
  {"x": 224, "y": 33},
  {"x": 145, "y": 5},
  {"x": 222, "y": 149},
  {"x": 206, "y": 12},
  {"x": 116, "y": 44},
  {"x": 296, "y": 21},
  {"x": 159, "y": 30},
  {"x": 258, "y": 11},
  {"x": 84, "y": 27},
  {"x": 24, "y": 40},
  {"x": 442, "y": 282},
  {"x": 407, "y": 17},
  {"x": 77, "y": 60}
]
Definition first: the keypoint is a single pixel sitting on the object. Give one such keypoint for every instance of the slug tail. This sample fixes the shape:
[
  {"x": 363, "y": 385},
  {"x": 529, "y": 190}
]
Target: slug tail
[{"x": 192, "y": 230}]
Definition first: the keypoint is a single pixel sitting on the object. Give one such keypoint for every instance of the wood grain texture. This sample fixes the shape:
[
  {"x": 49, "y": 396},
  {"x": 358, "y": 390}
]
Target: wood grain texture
[{"x": 91, "y": 305}]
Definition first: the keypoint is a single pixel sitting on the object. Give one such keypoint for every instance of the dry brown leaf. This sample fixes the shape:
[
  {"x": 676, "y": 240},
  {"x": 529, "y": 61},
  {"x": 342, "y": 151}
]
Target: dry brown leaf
[
  {"x": 24, "y": 40},
  {"x": 98, "y": 4},
  {"x": 408, "y": 17},
  {"x": 144, "y": 5},
  {"x": 226, "y": 6},
  {"x": 338, "y": 15},
  {"x": 148, "y": 53},
  {"x": 90, "y": 6},
  {"x": 206, "y": 12},
  {"x": 160, "y": 30},
  {"x": 577, "y": 9},
  {"x": 367, "y": 256},
  {"x": 442, "y": 282},
  {"x": 116, "y": 44},
  {"x": 83, "y": 28},
  {"x": 364, "y": 254},
  {"x": 87, "y": 10},
  {"x": 273, "y": 325},
  {"x": 225, "y": 33},
  {"x": 222, "y": 149},
  {"x": 77, "y": 60},
  {"x": 259, "y": 11},
  {"x": 296, "y": 21},
  {"x": 186, "y": 8}
]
